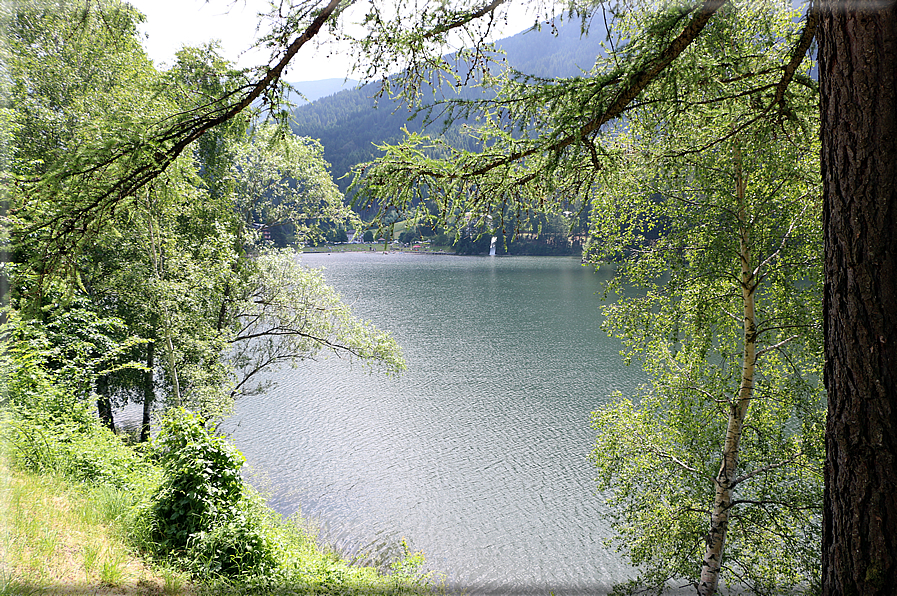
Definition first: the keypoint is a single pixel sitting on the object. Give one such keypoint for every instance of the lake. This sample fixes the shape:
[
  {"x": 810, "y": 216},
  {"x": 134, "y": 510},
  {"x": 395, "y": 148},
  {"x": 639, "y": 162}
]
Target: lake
[{"x": 477, "y": 454}]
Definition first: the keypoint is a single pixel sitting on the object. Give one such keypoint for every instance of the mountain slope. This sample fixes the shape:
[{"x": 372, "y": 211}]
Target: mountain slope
[{"x": 350, "y": 122}]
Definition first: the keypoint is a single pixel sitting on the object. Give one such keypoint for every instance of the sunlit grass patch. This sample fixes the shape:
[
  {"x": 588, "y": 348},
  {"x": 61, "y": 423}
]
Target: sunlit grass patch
[{"x": 55, "y": 538}]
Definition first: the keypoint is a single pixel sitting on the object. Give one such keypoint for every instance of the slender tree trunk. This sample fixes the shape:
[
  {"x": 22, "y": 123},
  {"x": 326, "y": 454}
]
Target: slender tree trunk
[
  {"x": 155, "y": 248},
  {"x": 149, "y": 392},
  {"x": 104, "y": 404},
  {"x": 725, "y": 480},
  {"x": 858, "y": 75}
]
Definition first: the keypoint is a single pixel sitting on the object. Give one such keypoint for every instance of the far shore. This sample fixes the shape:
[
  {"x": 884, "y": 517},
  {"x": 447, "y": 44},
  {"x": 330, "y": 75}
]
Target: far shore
[{"x": 376, "y": 248}]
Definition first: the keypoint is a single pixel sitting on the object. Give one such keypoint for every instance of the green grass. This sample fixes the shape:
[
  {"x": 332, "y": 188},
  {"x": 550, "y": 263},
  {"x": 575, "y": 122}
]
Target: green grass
[{"x": 55, "y": 538}]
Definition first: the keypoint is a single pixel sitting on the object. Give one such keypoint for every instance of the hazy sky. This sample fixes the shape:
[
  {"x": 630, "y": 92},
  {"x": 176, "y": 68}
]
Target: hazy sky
[{"x": 171, "y": 24}]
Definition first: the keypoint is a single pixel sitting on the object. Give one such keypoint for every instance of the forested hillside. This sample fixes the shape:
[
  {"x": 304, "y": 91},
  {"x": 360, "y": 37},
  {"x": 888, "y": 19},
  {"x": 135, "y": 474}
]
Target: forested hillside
[{"x": 349, "y": 123}]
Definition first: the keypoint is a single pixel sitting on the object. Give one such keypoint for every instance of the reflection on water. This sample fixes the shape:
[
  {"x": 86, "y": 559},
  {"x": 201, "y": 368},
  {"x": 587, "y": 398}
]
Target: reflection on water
[{"x": 477, "y": 455}]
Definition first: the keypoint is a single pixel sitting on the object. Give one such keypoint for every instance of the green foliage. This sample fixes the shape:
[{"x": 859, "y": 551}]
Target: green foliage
[
  {"x": 282, "y": 181},
  {"x": 285, "y": 313},
  {"x": 106, "y": 196},
  {"x": 245, "y": 549},
  {"x": 171, "y": 264},
  {"x": 72, "y": 443},
  {"x": 50, "y": 429},
  {"x": 410, "y": 563},
  {"x": 718, "y": 240},
  {"x": 244, "y": 544},
  {"x": 200, "y": 73},
  {"x": 94, "y": 48},
  {"x": 656, "y": 459},
  {"x": 337, "y": 235},
  {"x": 202, "y": 478},
  {"x": 80, "y": 86},
  {"x": 71, "y": 344},
  {"x": 218, "y": 527},
  {"x": 201, "y": 506}
]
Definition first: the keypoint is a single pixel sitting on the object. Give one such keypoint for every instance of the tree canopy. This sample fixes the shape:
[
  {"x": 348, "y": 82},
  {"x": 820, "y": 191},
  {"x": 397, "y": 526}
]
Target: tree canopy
[{"x": 176, "y": 279}]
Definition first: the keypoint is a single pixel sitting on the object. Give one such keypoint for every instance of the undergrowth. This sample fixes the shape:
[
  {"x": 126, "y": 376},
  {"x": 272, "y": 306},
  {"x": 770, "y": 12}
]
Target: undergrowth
[{"x": 80, "y": 504}]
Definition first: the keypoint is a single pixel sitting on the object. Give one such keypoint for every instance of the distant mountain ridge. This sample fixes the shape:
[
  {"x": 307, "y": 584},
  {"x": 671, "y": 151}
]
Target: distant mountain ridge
[
  {"x": 349, "y": 122},
  {"x": 314, "y": 90}
]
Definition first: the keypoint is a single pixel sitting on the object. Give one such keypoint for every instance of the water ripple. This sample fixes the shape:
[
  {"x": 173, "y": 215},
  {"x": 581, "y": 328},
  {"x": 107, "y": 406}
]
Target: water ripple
[{"x": 478, "y": 453}]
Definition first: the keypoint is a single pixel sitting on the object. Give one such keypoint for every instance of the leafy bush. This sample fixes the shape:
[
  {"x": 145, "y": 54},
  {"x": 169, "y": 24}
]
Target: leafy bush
[
  {"x": 237, "y": 545},
  {"x": 202, "y": 508}
]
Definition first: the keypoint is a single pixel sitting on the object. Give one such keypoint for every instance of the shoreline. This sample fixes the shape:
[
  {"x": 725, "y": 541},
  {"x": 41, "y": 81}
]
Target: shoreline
[{"x": 328, "y": 249}]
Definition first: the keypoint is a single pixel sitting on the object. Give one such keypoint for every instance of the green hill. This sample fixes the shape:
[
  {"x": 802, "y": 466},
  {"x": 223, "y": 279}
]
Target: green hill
[{"x": 349, "y": 122}]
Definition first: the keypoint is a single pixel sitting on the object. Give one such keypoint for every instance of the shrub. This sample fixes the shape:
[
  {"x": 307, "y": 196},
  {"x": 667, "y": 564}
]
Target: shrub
[
  {"x": 236, "y": 545},
  {"x": 202, "y": 508}
]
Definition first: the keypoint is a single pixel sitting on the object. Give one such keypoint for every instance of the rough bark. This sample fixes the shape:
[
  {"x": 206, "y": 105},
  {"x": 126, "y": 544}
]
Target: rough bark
[
  {"x": 858, "y": 75},
  {"x": 738, "y": 409}
]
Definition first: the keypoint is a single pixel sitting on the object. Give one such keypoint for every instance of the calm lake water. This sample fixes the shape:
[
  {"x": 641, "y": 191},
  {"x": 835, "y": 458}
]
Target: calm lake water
[{"x": 478, "y": 454}]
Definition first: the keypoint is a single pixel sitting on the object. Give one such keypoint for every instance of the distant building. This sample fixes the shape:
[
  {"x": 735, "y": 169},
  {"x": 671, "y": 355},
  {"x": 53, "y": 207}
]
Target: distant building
[{"x": 266, "y": 232}]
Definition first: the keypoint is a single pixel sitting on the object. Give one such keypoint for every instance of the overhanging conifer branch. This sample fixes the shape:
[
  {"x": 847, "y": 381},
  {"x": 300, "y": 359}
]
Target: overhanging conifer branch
[
  {"x": 797, "y": 56},
  {"x": 636, "y": 83},
  {"x": 465, "y": 19}
]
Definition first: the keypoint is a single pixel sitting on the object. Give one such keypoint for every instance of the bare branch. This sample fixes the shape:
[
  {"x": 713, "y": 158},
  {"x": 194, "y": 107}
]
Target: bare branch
[
  {"x": 785, "y": 238},
  {"x": 467, "y": 18},
  {"x": 763, "y": 470},
  {"x": 786, "y": 504},
  {"x": 664, "y": 455},
  {"x": 776, "y": 346}
]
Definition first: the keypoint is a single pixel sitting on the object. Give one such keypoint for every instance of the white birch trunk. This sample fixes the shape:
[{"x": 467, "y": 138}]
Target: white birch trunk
[
  {"x": 156, "y": 256},
  {"x": 719, "y": 517}
]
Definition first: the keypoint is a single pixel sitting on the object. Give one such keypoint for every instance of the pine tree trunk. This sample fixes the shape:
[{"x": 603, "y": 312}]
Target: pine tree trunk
[
  {"x": 725, "y": 479},
  {"x": 858, "y": 74}
]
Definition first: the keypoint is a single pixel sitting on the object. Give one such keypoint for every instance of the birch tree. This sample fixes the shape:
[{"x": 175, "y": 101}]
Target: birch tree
[{"x": 715, "y": 469}]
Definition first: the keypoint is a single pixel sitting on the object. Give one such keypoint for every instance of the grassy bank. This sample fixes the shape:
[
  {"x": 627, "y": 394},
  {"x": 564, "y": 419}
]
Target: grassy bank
[
  {"x": 84, "y": 513},
  {"x": 60, "y": 538}
]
